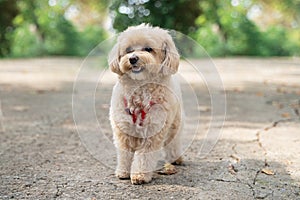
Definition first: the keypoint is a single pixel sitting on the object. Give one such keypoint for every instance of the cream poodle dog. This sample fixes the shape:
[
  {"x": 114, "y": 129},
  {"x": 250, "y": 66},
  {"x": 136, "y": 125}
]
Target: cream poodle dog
[{"x": 146, "y": 109}]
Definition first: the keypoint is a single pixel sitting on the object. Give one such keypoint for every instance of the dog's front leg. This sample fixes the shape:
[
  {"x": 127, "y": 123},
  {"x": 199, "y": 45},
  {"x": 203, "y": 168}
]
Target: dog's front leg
[
  {"x": 125, "y": 154},
  {"x": 143, "y": 165},
  {"x": 145, "y": 161},
  {"x": 124, "y": 160}
]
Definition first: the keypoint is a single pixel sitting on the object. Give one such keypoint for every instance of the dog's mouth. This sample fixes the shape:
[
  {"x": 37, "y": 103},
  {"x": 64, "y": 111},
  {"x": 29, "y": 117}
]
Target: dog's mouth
[{"x": 137, "y": 69}]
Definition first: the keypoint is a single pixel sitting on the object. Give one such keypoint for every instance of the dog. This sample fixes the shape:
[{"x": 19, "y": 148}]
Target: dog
[{"x": 146, "y": 111}]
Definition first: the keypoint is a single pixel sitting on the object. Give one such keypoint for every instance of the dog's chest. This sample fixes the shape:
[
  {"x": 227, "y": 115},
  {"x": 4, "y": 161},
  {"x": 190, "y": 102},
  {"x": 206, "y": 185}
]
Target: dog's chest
[{"x": 141, "y": 102}]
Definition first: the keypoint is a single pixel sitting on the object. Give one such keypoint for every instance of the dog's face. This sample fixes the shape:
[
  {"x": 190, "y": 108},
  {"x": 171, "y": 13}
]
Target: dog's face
[{"x": 142, "y": 52}]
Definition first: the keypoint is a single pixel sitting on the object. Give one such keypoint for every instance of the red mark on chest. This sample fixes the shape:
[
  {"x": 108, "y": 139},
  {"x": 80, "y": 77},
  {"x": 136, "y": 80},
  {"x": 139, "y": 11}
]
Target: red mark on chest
[{"x": 142, "y": 113}]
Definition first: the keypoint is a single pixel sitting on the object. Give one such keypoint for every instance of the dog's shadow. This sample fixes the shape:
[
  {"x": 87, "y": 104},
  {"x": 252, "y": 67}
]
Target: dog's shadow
[
  {"x": 186, "y": 175},
  {"x": 217, "y": 176}
]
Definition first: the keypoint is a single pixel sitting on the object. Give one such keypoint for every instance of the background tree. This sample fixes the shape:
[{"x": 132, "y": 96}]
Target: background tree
[
  {"x": 73, "y": 27},
  {"x": 54, "y": 27},
  {"x": 230, "y": 27},
  {"x": 286, "y": 13},
  {"x": 8, "y": 11},
  {"x": 179, "y": 15},
  {"x": 280, "y": 23},
  {"x": 224, "y": 25}
]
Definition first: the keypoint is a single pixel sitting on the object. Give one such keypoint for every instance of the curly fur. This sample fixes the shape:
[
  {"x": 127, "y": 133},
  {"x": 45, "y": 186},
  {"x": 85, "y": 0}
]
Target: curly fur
[{"x": 146, "y": 110}]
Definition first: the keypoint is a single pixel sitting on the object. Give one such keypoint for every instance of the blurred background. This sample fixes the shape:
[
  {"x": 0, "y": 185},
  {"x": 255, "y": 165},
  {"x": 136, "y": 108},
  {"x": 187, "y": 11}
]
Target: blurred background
[{"x": 34, "y": 28}]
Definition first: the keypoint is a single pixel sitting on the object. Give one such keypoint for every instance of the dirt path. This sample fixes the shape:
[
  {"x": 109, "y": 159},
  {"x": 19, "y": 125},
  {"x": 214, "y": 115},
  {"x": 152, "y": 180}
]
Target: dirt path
[{"x": 257, "y": 156}]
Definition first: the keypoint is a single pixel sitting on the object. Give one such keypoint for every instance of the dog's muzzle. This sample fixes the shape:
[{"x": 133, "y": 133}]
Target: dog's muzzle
[
  {"x": 133, "y": 59},
  {"x": 135, "y": 68}
]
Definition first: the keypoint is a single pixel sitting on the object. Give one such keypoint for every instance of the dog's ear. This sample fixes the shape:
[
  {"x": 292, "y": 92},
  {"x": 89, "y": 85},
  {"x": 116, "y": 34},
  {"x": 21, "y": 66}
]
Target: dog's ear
[
  {"x": 113, "y": 60},
  {"x": 170, "y": 62}
]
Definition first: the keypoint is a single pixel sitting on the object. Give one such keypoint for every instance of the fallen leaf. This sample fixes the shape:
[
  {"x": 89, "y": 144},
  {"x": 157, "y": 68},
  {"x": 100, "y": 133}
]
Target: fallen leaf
[
  {"x": 40, "y": 91},
  {"x": 232, "y": 169},
  {"x": 285, "y": 115},
  {"x": 236, "y": 158},
  {"x": 288, "y": 162},
  {"x": 168, "y": 169},
  {"x": 59, "y": 152},
  {"x": 280, "y": 106},
  {"x": 267, "y": 171},
  {"x": 277, "y": 104},
  {"x": 20, "y": 108},
  {"x": 237, "y": 90},
  {"x": 68, "y": 121},
  {"x": 281, "y": 90},
  {"x": 204, "y": 109},
  {"x": 295, "y": 105},
  {"x": 259, "y": 94}
]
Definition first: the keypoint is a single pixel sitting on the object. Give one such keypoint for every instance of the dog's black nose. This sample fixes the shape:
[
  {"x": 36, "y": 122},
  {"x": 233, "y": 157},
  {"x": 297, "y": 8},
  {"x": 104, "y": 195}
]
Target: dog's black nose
[{"x": 133, "y": 59}]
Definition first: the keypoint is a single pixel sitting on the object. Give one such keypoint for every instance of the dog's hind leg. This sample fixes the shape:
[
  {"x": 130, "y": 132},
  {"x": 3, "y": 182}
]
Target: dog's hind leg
[{"x": 172, "y": 145}]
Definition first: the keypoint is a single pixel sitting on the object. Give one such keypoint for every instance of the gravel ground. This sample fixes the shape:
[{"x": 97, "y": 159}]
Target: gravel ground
[{"x": 256, "y": 157}]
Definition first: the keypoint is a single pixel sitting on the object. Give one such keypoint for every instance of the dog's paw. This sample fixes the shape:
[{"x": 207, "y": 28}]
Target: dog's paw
[
  {"x": 122, "y": 175},
  {"x": 168, "y": 169},
  {"x": 141, "y": 178}
]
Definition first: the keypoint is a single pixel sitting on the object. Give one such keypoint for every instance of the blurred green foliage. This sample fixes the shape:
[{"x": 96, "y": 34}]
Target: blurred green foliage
[
  {"x": 222, "y": 27},
  {"x": 179, "y": 15},
  {"x": 225, "y": 29},
  {"x": 8, "y": 11},
  {"x": 43, "y": 27}
]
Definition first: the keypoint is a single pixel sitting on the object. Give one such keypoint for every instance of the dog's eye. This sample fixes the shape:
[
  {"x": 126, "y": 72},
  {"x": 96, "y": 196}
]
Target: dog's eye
[
  {"x": 129, "y": 50},
  {"x": 149, "y": 49}
]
